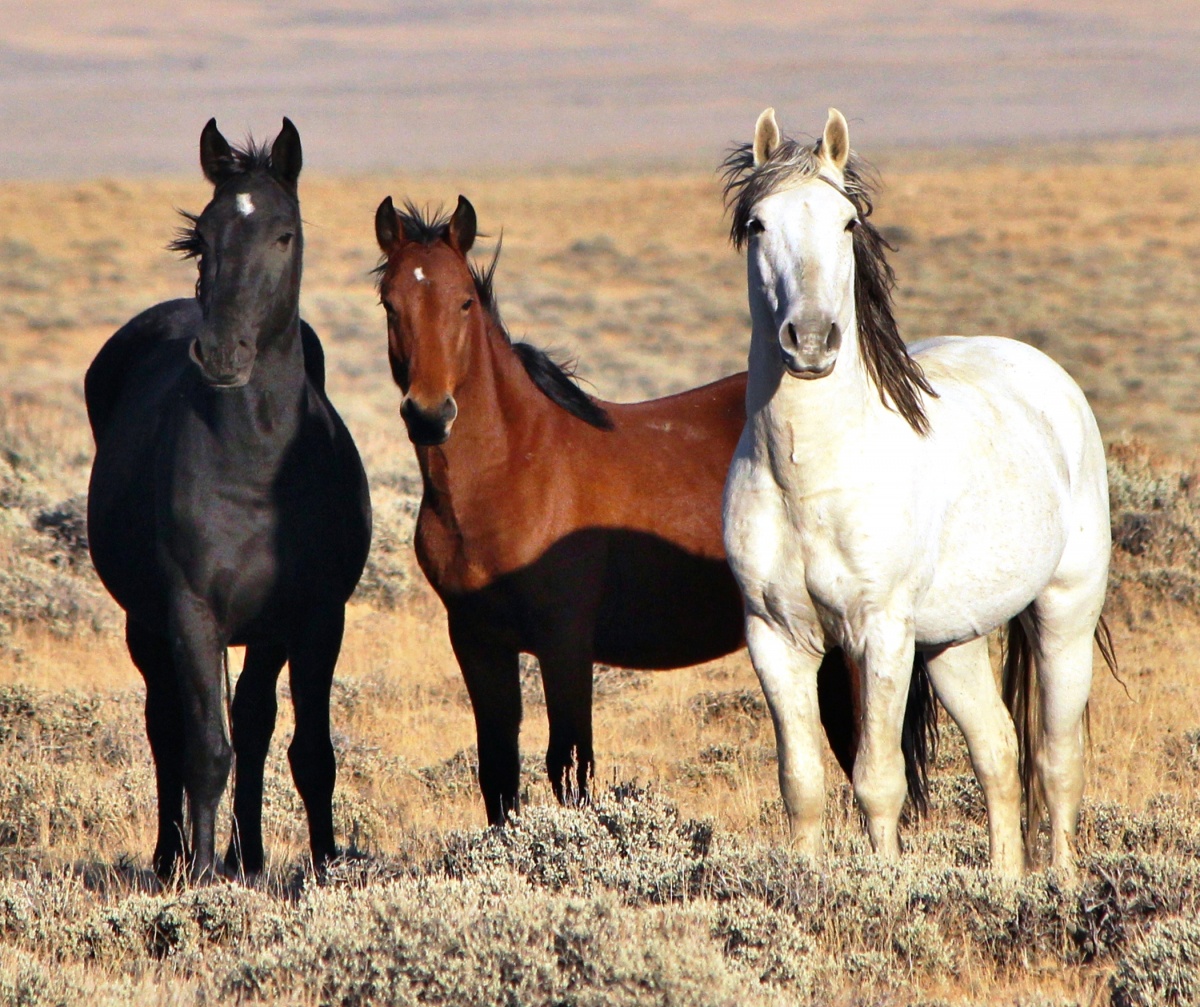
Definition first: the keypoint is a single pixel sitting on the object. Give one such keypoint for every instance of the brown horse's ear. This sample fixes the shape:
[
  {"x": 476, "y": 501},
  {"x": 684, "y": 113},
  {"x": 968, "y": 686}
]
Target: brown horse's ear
[
  {"x": 387, "y": 225},
  {"x": 286, "y": 155},
  {"x": 216, "y": 158},
  {"x": 462, "y": 226}
]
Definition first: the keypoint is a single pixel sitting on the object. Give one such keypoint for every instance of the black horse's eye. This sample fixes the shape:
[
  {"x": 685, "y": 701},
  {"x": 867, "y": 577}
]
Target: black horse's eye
[
  {"x": 755, "y": 226},
  {"x": 284, "y": 240},
  {"x": 466, "y": 305},
  {"x": 852, "y": 224}
]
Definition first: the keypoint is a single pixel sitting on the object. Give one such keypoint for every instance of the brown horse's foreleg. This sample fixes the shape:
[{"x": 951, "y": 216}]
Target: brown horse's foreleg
[
  {"x": 164, "y": 727},
  {"x": 491, "y": 671},
  {"x": 254, "y": 709},
  {"x": 312, "y": 657},
  {"x": 570, "y": 760}
]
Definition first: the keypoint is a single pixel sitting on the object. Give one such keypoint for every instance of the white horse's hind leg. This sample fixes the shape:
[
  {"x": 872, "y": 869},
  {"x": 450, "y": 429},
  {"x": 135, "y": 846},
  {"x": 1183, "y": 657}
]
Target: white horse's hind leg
[
  {"x": 789, "y": 683},
  {"x": 879, "y": 783},
  {"x": 963, "y": 680},
  {"x": 1065, "y": 680}
]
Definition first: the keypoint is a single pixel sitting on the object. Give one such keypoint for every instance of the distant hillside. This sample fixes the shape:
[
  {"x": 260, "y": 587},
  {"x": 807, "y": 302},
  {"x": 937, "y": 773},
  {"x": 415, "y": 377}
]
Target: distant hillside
[{"x": 93, "y": 88}]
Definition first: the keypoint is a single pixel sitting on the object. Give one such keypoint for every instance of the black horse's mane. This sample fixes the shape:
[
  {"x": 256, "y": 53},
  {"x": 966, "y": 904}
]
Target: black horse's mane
[
  {"x": 898, "y": 377},
  {"x": 245, "y": 160},
  {"x": 555, "y": 379}
]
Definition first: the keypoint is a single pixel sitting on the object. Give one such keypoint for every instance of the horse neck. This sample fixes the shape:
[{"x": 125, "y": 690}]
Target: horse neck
[
  {"x": 808, "y": 419},
  {"x": 497, "y": 403},
  {"x": 265, "y": 413}
]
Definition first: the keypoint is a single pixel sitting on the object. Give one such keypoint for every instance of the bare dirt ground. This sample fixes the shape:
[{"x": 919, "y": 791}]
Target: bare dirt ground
[{"x": 678, "y": 886}]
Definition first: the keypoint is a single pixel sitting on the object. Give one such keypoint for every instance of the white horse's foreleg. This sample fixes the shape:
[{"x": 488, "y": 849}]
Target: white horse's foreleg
[
  {"x": 879, "y": 782},
  {"x": 789, "y": 682},
  {"x": 962, "y": 678}
]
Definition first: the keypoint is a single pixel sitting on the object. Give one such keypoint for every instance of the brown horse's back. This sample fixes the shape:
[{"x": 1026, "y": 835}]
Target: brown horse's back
[{"x": 668, "y": 598}]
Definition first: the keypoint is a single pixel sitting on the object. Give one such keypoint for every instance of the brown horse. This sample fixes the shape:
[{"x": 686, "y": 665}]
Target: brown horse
[{"x": 554, "y": 524}]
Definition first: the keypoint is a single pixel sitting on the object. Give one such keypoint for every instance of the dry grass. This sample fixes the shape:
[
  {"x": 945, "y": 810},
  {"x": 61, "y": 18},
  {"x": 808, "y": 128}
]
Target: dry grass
[{"x": 676, "y": 887}]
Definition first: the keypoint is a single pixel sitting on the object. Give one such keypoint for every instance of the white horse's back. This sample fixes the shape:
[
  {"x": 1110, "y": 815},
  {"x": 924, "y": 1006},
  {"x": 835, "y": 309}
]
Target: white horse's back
[{"x": 1017, "y": 476}]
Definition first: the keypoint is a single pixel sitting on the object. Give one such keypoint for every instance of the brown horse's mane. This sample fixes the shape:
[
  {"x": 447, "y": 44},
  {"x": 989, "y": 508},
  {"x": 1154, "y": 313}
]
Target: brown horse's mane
[
  {"x": 555, "y": 379},
  {"x": 898, "y": 377}
]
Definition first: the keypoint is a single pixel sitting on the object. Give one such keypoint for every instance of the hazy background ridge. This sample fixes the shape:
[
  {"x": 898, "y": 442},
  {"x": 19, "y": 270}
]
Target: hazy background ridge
[{"x": 100, "y": 89}]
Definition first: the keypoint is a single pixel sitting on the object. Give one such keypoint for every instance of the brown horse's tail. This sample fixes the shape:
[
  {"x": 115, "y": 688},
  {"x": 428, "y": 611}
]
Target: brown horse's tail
[
  {"x": 1019, "y": 682},
  {"x": 919, "y": 736}
]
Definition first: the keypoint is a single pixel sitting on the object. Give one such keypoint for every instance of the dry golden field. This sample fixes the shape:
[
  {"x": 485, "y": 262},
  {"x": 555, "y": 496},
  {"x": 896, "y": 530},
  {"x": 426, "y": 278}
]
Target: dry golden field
[{"x": 677, "y": 887}]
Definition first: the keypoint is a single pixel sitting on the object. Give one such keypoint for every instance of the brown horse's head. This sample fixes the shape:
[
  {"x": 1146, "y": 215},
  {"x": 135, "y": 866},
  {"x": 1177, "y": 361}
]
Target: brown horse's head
[{"x": 433, "y": 312}]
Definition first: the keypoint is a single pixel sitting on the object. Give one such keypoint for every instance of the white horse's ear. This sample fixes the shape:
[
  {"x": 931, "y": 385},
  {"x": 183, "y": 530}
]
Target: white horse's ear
[
  {"x": 766, "y": 136},
  {"x": 835, "y": 144}
]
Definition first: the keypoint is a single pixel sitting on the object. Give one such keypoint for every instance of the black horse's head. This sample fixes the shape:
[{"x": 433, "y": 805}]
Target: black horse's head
[{"x": 248, "y": 246}]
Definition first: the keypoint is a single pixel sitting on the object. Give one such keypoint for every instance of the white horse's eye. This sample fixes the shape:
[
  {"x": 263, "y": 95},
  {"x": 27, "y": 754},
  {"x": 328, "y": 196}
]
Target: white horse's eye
[
  {"x": 852, "y": 223},
  {"x": 755, "y": 226}
]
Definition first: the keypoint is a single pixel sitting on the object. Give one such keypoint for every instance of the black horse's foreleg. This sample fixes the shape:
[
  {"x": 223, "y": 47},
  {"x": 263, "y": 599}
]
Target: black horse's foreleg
[
  {"x": 164, "y": 728},
  {"x": 254, "y": 709},
  {"x": 491, "y": 671},
  {"x": 198, "y": 650},
  {"x": 570, "y": 759},
  {"x": 312, "y": 656}
]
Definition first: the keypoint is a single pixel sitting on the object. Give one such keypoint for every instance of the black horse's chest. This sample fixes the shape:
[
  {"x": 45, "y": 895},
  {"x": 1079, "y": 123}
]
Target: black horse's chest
[{"x": 227, "y": 520}]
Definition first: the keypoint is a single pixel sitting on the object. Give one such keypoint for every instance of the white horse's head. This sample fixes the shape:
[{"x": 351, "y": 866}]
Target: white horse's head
[
  {"x": 818, "y": 280},
  {"x": 800, "y": 252}
]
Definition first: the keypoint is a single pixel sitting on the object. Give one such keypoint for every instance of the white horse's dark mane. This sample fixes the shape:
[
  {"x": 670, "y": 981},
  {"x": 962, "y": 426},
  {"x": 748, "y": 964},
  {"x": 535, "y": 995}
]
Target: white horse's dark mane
[{"x": 899, "y": 378}]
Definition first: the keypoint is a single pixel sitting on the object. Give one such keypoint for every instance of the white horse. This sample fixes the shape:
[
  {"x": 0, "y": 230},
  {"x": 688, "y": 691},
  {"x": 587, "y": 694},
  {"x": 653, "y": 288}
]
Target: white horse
[{"x": 887, "y": 500}]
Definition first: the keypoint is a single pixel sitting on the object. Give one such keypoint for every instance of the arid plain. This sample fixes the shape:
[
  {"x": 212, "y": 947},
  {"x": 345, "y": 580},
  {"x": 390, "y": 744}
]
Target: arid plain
[{"x": 677, "y": 886}]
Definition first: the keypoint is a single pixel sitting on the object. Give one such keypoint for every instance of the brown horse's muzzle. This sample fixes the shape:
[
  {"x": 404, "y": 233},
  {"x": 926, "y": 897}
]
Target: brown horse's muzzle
[{"x": 428, "y": 427}]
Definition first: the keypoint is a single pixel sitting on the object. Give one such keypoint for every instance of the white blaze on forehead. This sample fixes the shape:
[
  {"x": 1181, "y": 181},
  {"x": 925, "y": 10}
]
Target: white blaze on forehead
[
  {"x": 245, "y": 205},
  {"x": 419, "y": 273}
]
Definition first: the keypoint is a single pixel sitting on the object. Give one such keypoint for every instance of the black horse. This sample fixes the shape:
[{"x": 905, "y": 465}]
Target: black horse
[{"x": 228, "y": 506}]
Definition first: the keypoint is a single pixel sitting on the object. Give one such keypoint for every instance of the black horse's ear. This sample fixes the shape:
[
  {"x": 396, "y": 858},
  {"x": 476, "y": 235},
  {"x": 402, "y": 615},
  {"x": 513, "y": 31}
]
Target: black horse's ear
[
  {"x": 216, "y": 159},
  {"x": 462, "y": 226},
  {"x": 387, "y": 225},
  {"x": 286, "y": 157}
]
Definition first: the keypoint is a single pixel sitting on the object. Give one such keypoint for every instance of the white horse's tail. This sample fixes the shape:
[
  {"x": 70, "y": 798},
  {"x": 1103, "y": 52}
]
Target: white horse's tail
[
  {"x": 919, "y": 736},
  {"x": 1019, "y": 685},
  {"x": 1019, "y": 682}
]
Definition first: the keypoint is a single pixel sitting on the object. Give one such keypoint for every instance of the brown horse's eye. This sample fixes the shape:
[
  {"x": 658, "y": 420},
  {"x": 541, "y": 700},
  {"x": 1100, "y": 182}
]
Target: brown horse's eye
[
  {"x": 284, "y": 240},
  {"x": 466, "y": 306}
]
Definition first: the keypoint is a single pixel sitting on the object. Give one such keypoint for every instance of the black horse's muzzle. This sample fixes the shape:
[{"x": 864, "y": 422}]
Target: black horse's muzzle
[{"x": 224, "y": 363}]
